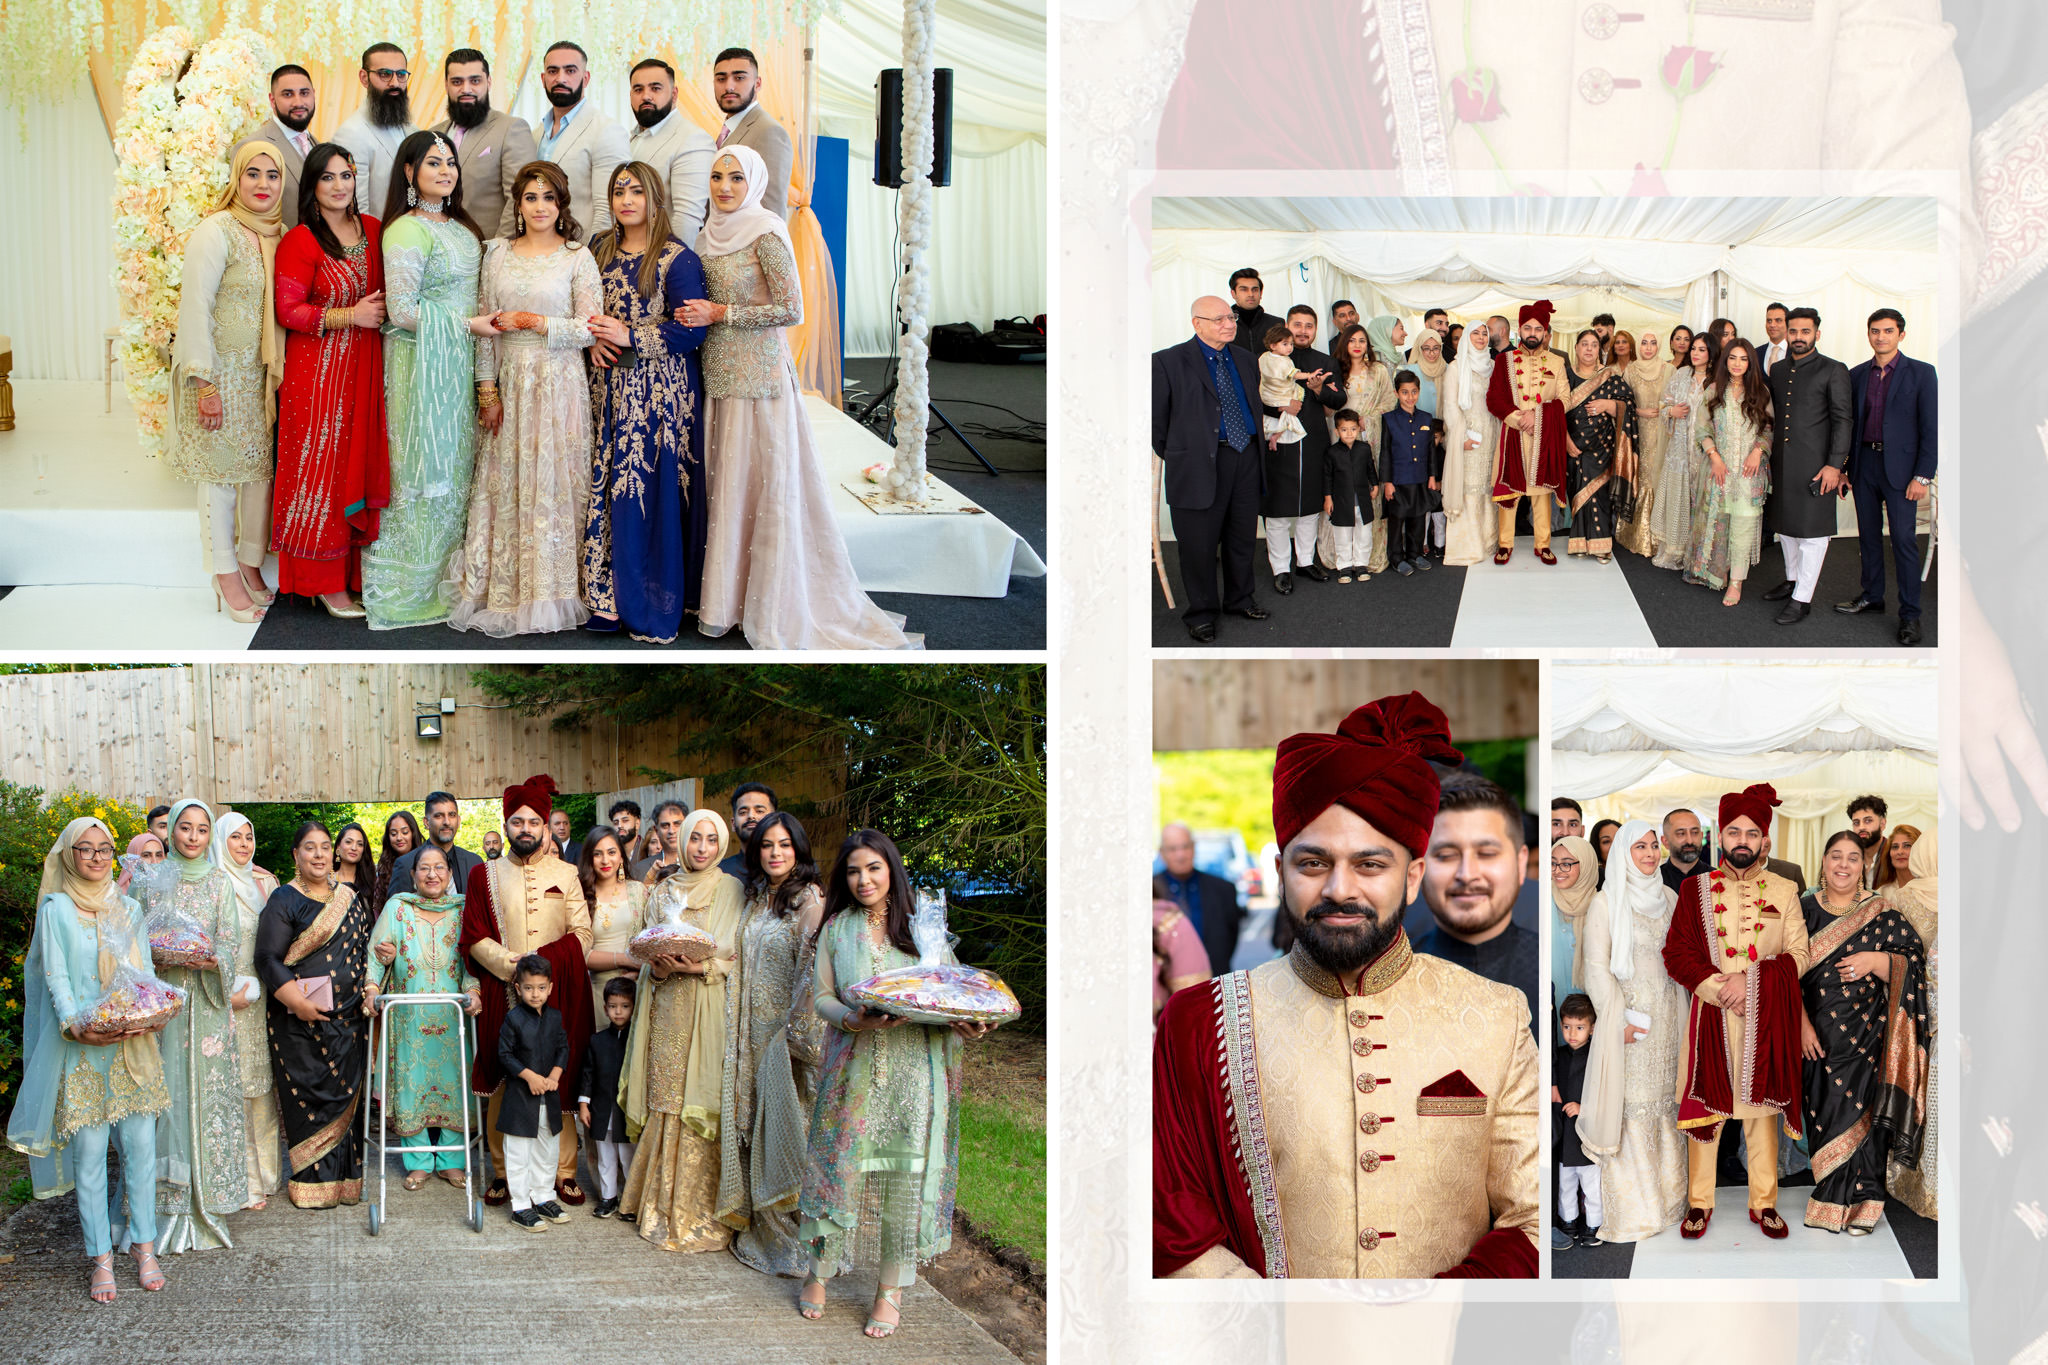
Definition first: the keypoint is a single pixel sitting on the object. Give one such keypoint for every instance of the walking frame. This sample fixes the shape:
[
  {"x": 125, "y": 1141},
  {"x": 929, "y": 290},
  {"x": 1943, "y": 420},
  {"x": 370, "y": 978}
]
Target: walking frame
[{"x": 380, "y": 1059}]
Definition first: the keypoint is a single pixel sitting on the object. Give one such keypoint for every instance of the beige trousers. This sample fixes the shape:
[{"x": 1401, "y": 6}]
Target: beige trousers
[
  {"x": 1761, "y": 1136},
  {"x": 1539, "y": 510}
]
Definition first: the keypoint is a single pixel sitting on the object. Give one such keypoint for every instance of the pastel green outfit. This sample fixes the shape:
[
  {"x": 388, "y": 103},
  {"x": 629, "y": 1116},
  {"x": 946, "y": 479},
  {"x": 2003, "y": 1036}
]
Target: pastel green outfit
[{"x": 429, "y": 1081}]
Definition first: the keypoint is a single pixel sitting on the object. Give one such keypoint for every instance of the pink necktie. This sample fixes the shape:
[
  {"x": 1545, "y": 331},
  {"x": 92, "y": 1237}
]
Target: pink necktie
[
  {"x": 721, "y": 137},
  {"x": 299, "y": 141}
]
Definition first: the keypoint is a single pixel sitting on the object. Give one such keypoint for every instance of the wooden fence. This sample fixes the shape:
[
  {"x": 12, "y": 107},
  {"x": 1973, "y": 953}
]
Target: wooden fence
[{"x": 1256, "y": 703}]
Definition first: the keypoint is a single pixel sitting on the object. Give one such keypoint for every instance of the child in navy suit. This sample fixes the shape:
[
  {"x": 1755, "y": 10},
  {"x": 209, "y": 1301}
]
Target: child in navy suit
[
  {"x": 604, "y": 1120},
  {"x": 1408, "y": 474}
]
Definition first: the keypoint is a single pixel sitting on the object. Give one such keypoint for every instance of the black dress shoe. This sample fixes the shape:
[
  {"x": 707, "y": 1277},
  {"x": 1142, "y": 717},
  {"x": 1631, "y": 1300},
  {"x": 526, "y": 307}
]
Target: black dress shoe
[
  {"x": 1909, "y": 632},
  {"x": 1316, "y": 572},
  {"x": 1779, "y": 593},
  {"x": 1203, "y": 632},
  {"x": 1857, "y": 605},
  {"x": 1283, "y": 583},
  {"x": 1423, "y": 562},
  {"x": 1794, "y": 612},
  {"x": 1254, "y": 612}
]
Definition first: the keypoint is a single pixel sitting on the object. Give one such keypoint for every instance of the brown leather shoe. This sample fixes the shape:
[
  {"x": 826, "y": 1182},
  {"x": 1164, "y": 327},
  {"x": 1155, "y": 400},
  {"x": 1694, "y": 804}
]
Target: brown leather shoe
[
  {"x": 1695, "y": 1225},
  {"x": 1770, "y": 1222},
  {"x": 568, "y": 1191}
]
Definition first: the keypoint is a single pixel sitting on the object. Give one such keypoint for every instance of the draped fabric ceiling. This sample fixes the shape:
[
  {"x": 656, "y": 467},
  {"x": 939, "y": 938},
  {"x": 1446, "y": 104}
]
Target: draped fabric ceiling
[
  {"x": 1639, "y": 740},
  {"x": 1667, "y": 257}
]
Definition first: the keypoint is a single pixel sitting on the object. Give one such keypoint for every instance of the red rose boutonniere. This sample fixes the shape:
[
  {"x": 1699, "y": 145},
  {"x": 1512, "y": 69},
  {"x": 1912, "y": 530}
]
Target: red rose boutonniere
[
  {"x": 1752, "y": 952},
  {"x": 1688, "y": 69}
]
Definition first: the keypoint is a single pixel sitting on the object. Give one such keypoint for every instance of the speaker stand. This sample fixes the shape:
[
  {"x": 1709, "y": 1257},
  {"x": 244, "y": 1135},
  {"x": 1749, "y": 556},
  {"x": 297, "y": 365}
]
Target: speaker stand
[{"x": 890, "y": 392}]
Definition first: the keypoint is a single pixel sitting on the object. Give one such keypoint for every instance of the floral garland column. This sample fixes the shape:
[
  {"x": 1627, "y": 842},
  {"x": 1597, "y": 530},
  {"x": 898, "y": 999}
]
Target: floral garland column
[{"x": 914, "y": 287}]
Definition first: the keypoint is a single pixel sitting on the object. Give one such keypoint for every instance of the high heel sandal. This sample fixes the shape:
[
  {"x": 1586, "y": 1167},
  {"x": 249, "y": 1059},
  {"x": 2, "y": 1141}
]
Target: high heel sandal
[
  {"x": 1731, "y": 597},
  {"x": 259, "y": 591},
  {"x": 148, "y": 1271},
  {"x": 352, "y": 612},
  {"x": 247, "y": 616},
  {"x": 811, "y": 1311},
  {"x": 893, "y": 1296},
  {"x": 102, "y": 1289}
]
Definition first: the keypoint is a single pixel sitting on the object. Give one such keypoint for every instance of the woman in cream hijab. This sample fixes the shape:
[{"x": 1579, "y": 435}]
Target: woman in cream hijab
[
  {"x": 1574, "y": 880},
  {"x": 675, "y": 1055},
  {"x": 226, "y": 364},
  {"x": 80, "y": 1090},
  {"x": 234, "y": 852},
  {"x": 1471, "y": 440},
  {"x": 1628, "y": 1117}
]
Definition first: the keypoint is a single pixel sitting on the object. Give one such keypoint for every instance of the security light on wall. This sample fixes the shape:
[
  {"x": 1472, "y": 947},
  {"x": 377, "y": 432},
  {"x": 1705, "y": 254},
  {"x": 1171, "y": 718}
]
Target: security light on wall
[
  {"x": 429, "y": 726},
  {"x": 447, "y": 706}
]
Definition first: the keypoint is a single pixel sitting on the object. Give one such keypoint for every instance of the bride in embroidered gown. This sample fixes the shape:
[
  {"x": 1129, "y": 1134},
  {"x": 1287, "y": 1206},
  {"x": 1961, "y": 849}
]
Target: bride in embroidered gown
[
  {"x": 775, "y": 564},
  {"x": 1628, "y": 1119}
]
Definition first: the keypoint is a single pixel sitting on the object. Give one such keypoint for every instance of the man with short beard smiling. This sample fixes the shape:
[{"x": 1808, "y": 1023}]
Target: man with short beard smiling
[
  {"x": 490, "y": 144},
  {"x": 1352, "y": 1110},
  {"x": 1528, "y": 393},
  {"x": 1737, "y": 943},
  {"x": 672, "y": 144},
  {"x": 1866, "y": 821},
  {"x": 373, "y": 133},
  {"x": 1470, "y": 879},
  {"x": 292, "y": 104},
  {"x": 579, "y": 137}
]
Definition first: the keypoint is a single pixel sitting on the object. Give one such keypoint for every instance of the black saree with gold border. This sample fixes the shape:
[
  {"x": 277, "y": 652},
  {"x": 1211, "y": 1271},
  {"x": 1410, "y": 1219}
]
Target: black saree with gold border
[{"x": 318, "y": 1067}]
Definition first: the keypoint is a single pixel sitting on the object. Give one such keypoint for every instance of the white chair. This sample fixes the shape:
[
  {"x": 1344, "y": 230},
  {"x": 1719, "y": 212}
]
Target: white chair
[
  {"x": 1158, "y": 558},
  {"x": 113, "y": 334}
]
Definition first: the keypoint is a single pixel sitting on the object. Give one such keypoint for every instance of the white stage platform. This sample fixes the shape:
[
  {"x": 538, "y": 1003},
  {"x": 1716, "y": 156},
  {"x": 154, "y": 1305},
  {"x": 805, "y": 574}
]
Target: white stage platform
[
  {"x": 1580, "y": 603},
  {"x": 1736, "y": 1249},
  {"x": 82, "y": 503}
]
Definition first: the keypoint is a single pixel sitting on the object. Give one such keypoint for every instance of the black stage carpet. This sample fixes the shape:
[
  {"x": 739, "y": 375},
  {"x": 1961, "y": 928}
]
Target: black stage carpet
[
  {"x": 1420, "y": 612},
  {"x": 974, "y": 396}
]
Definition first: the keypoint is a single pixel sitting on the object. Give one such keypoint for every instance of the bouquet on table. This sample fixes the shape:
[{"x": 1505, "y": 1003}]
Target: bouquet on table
[
  {"x": 936, "y": 991},
  {"x": 134, "y": 1001},
  {"x": 175, "y": 938},
  {"x": 671, "y": 935}
]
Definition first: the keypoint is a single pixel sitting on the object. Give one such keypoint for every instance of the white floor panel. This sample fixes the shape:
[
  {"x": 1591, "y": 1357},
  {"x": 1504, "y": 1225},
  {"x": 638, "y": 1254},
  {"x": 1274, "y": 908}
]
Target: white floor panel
[
  {"x": 1526, "y": 603},
  {"x": 1736, "y": 1249},
  {"x": 103, "y": 618}
]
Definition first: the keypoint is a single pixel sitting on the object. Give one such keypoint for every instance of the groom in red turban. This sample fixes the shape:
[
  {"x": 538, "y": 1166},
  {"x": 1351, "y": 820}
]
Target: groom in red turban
[
  {"x": 1528, "y": 392},
  {"x": 1737, "y": 942},
  {"x": 1352, "y": 1110},
  {"x": 528, "y": 901}
]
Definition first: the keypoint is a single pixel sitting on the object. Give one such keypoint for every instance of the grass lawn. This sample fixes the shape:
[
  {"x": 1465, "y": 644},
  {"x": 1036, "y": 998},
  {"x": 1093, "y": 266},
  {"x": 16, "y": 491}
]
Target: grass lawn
[
  {"x": 14, "y": 1190},
  {"x": 1002, "y": 1140}
]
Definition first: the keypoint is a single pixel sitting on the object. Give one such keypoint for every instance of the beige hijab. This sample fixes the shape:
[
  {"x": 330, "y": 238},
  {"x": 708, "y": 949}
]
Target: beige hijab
[
  {"x": 1572, "y": 901},
  {"x": 93, "y": 901},
  {"x": 1918, "y": 898},
  {"x": 269, "y": 230}
]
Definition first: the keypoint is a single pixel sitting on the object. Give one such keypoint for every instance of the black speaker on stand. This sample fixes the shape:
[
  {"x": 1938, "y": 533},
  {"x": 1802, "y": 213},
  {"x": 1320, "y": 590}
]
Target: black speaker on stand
[{"x": 889, "y": 175}]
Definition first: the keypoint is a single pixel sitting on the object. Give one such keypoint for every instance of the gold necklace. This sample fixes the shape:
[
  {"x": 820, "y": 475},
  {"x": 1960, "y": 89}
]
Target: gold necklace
[{"x": 308, "y": 892}]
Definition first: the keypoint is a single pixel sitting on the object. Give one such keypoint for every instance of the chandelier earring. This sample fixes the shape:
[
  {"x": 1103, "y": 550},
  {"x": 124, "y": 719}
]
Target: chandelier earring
[{"x": 412, "y": 197}]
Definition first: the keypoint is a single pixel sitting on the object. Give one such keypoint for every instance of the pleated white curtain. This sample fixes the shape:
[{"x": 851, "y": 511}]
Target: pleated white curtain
[
  {"x": 1737, "y": 710},
  {"x": 57, "y": 220}
]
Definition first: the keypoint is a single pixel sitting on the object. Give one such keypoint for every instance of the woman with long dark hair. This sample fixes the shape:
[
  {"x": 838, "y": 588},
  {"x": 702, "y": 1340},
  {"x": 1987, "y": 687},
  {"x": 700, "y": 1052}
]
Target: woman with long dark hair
[
  {"x": 312, "y": 945},
  {"x": 333, "y": 467},
  {"x": 771, "y": 1053},
  {"x": 617, "y": 910},
  {"x": 354, "y": 863},
  {"x": 885, "y": 1132},
  {"x": 1600, "y": 443},
  {"x": 1685, "y": 395},
  {"x": 401, "y": 836},
  {"x": 1368, "y": 387},
  {"x": 1866, "y": 1038},
  {"x": 1733, "y": 437},
  {"x": 432, "y": 249}
]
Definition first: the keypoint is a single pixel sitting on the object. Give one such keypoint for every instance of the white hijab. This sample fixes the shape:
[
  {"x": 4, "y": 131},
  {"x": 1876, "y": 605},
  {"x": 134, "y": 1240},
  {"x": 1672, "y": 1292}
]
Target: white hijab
[
  {"x": 1629, "y": 893},
  {"x": 1475, "y": 370},
  {"x": 725, "y": 233},
  {"x": 241, "y": 875}
]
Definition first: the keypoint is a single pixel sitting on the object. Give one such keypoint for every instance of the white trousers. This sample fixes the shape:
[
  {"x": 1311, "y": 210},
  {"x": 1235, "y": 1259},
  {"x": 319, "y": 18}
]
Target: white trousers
[
  {"x": 530, "y": 1169},
  {"x": 613, "y": 1160},
  {"x": 1803, "y": 556},
  {"x": 1351, "y": 546},
  {"x": 1438, "y": 523},
  {"x": 234, "y": 518},
  {"x": 1297, "y": 534},
  {"x": 1574, "y": 1182}
]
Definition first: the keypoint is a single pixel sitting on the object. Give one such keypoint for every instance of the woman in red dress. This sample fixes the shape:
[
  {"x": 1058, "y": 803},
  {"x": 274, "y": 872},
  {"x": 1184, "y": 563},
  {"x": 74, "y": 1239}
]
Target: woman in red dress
[{"x": 333, "y": 468}]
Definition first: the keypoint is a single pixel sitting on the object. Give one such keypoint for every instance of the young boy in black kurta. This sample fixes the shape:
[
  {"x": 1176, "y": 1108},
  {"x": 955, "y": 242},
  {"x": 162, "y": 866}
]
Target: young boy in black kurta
[
  {"x": 1408, "y": 471},
  {"x": 533, "y": 1048},
  {"x": 1350, "y": 474},
  {"x": 604, "y": 1120},
  {"x": 1578, "y": 1179}
]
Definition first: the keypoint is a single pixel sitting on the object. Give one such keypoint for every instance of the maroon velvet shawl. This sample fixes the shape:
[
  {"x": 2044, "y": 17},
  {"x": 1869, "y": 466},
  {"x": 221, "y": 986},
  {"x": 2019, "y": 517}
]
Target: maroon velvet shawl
[
  {"x": 571, "y": 993},
  {"x": 1510, "y": 480}
]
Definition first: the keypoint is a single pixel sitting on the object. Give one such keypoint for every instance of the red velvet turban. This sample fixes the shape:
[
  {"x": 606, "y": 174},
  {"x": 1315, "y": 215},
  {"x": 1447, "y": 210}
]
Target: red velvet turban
[
  {"x": 537, "y": 792},
  {"x": 1539, "y": 310},
  {"x": 1376, "y": 766},
  {"x": 1756, "y": 802}
]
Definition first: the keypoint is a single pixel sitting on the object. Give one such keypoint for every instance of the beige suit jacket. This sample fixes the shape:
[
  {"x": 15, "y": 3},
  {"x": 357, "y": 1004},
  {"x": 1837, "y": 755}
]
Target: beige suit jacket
[
  {"x": 271, "y": 131},
  {"x": 590, "y": 148},
  {"x": 490, "y": 157},
  {"x": 537, "y": 903},
  {"x": 757, "y": 130},
  {"x": 681, "y": 152}
]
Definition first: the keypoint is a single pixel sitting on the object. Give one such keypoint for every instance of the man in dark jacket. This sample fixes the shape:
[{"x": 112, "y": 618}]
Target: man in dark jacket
[
  {"x": 1210, "y": 903},
  {"x": 1809, "y": 459},
  {"x": 1206, "y": 429},
  {"x": 1246, "y": 310},
  {"x": 1892, "y": 398},
  {"x": 1292, "y": 503},
  {"x": 444, "y": 822}
]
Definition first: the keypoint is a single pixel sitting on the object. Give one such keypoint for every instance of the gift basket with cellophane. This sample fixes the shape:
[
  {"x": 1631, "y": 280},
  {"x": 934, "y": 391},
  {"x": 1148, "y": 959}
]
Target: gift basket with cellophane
[
  {"x": 175, "y": 938},
  {"x": 133, "y": 1001},
  {"x": 671, "y": 935},
  {"x": 936, "y": 991}
]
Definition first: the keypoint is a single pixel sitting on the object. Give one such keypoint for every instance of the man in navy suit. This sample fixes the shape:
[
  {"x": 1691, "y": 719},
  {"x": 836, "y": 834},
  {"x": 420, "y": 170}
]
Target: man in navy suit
[
  {"x": 1205, "y": 426},
  {"x": 1892, "y": 399}
]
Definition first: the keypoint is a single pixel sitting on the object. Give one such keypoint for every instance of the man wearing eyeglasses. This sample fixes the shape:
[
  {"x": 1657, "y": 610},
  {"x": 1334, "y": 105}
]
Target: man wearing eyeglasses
[
  {"x": 373, "y": 132},
  {"x": 1205, "y": 428}
]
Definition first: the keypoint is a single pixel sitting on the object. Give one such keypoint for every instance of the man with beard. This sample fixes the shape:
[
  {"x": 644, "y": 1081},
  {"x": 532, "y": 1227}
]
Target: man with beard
[
  {"x": 579, "y": 138},
  {"x": 1253, "y": 321},
  {"x": 736, "y": 86},
  {"x": 668, "y": 141},
  {"x": 752, "y": 802},
  {"x": 624, "y": 818},
  {"x": 1498, "y": 338},
  {"x": 1566, "y": 817},
  {"x": 373, "y": 133},
  {"x": 1343, "y": 313},
  {"x": 1809, "y": 459},
  {"x": 444, "y": 822},
  {"x": 1737, "y": 943},
  {"x": 494, "y": 845},
  {"x": 1292, "y": 503},
  {"x": 1435, "y": 320},
  {"x": 291, "y": 113},
  {"x": 1683, "y": 841},
  {"x": 1603, "y": 327},
  {"x": 528, "y": 901},
  {"x": 1471, "y": 876},
  {"x": 664, "y": 845},
  {"x": 1867, "y": 821},
  {"x": 490, "y": 144},
  {"x": 1354, "y": 1109},
  {"x": 1528, "y": 393}
]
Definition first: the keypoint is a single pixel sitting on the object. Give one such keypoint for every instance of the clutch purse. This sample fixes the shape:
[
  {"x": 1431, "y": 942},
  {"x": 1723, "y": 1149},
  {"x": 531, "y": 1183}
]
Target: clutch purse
[{"x": 319, "y": 991}]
